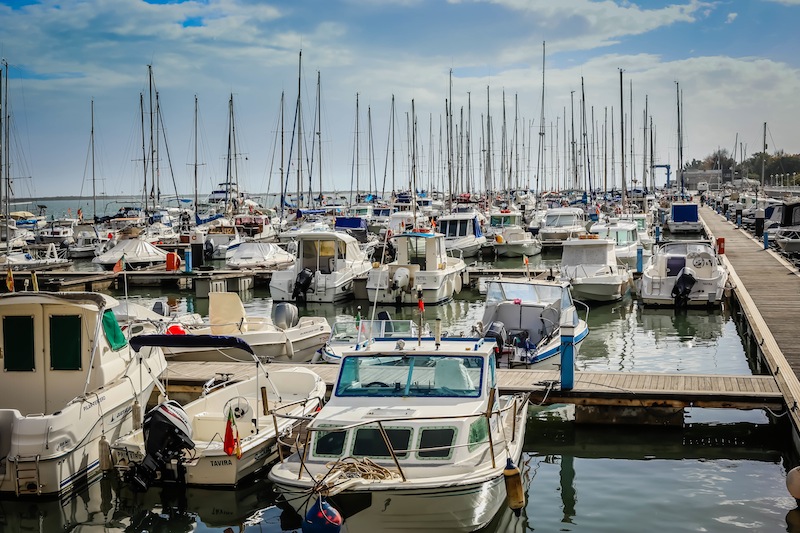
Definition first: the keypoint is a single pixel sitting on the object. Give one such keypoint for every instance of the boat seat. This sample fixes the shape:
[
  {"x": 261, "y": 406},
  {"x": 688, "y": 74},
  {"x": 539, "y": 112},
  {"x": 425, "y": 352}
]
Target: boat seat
[
  {"x": 450, "y": 373},
  {"x": 674, "y": 264},
  {"x": 226, "y": 313}
]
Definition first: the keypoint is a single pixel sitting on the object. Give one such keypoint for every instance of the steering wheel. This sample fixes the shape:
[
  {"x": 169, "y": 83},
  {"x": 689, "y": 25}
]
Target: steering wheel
[
  {"x": 698, "y": 262},
  {"x": 376, "y": 384},
  {"x": 240, "y": 406}
]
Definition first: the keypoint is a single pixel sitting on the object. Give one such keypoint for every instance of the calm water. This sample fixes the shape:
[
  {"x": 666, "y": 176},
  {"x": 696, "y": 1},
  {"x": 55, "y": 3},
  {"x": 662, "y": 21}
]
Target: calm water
[{"x": 723, "y": 471}]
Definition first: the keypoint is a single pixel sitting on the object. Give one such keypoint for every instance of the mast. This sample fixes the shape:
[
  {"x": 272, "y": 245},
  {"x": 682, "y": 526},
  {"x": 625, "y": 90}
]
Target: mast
[
  {"x": 283, "y": 184},
  {"x": 319, "y": 136},
  {"x": 94, "y": 191},
  {"x": 622, "y": 135},
  {"x": 574, "y": 148},
  {"x": 4, "y": 144},
  {"x": 630, "y": 112},
  {"x": 586, "y": 140},
  {"x": 605, "y": 149},
  {"x": 644, "y": 146},
  {"x": 540, "y": 157},
  {"x": 358, "y": 181},
  {"x": 152, "y": 139},
  {"x": 144, "y": 148},
  {"x": 195, "y": 154},
  {"x": 299, "y": 130},
  {"x": 229, "y": 167},
  {"x": 680, "y": 135},
  {"x": 763, "y": 154}
]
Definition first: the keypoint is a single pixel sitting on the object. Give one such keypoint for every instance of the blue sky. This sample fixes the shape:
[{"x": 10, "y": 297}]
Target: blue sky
[{"x": 736, "y": 63}]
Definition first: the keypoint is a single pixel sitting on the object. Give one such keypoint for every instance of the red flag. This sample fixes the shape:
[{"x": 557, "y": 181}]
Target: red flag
[
  {"x": 231, "y": 443},
  {"x": 119, "y": 266},
  {"x": 10, "y": 280},
  {"x": 421, "y": 305}
]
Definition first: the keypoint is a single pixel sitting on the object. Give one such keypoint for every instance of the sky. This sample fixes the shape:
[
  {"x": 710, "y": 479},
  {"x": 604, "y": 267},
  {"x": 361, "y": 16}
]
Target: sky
[{"x": 734, "y": 62}]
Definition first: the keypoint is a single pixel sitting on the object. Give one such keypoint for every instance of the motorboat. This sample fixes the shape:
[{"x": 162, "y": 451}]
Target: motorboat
[
  {"x": 283, "y": 336},
  {"x": 353, "y": 333},
  {"x": 787, "y": 239},
  {"x": 134, "y": 254},
  {"x": 525, "y": 317},
  {"x": 508, "y": 237},
  {"x": 684, "y": 217},
  {"x": 221, "y": 239},
  {"x": 327, "y": 264},
  {"x": 415, "y": 437},
  {"x": 590, "y": 266},
  {"x": 560, "y": 224},
  {"x": 31, "y": 258},
  {"x": 58, "y": 231},
  {"x": 223, "y": 437},
  {"x": 88, "y": 242},
  {"x": 421, "y": 269},
  {"x": 683, "y": 273},
  {"x": 71, "y": 385},
  {"x": 626, "y": 237},
  {"x": 260, "y": 256},
  {"x": 462, "y": 232}
]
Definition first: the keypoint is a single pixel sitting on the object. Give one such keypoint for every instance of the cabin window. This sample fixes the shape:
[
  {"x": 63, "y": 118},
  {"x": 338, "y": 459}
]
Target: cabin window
[
  {"x": 18, "y": 343},
  {"x": 369, "y": 442},
  {"x": 436, "y": 443},
  {"x": 416, "y": 252},
  {"x": 330, "y": 443},
  {"x": 65, "y": 342},
  {"x": 478, "y": 433},
  {"x": 463, "y": 227}
]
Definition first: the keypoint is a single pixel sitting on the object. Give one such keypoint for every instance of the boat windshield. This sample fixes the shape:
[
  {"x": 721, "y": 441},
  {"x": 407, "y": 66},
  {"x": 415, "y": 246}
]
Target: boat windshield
[
  {"x": 683, "y": 248},
  {"x": 411, "y": 376},
  {"x": 350, "y": 330},
  {"x": 560, "y": 220},
  {"x": 498, "y": 291}
]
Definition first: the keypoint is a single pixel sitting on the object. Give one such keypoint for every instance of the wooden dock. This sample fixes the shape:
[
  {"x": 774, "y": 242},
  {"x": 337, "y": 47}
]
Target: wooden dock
[
  {"x": 767, "y": 288},
  {"x": 616, "y": 389}
]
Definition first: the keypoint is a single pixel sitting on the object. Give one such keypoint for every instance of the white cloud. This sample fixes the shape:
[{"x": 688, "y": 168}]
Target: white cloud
[{"x": 731, "y": 17}]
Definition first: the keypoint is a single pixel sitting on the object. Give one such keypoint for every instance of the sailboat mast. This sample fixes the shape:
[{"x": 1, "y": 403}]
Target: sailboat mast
[
  {"x": 229, "y": 167},
  {"x": 94, "y": 191},
  {"x": 319, "y": 133},
  {"x": 283, "y": 150},
  {"x": 152, "y": 139},
  {"x": 644, "y": 146},
  {"x": 299, "y": 130},
  {"x": 195, "y": 153},
  {"x": 541, "y": 159},
  {"x": 680, "y": 134},
  {"x": 622, "y": 135},
  {"x": 763, "y": 154},
  {"x": 144, "y": 149}
]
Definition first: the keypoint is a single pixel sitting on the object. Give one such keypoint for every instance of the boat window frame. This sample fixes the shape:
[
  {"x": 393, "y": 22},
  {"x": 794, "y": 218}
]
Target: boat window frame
[
  {"x": 399, "y": 453},
  {"x": 321, "y": 433},
  {"x": 450, "y": 447}
]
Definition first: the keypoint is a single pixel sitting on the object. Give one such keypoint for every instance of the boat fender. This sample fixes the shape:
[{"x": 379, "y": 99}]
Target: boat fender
[
  {"x": 105, "y": 454},
  {"x": 457, "y": 283},
  {"x": 137, "y": 415},
  {"x": 322, "y": 517},
  {"x": 515, "y": 493}
]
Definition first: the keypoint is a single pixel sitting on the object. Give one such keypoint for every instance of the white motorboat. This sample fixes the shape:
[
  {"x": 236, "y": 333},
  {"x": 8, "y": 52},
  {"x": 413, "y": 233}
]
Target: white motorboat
[
  {"x": 71, "y": 385},
  {"x": 508, "y": 236},
  {"x": 88, "y": 242},
  {"x": 351, "y": 333},
  {"x": 462, "y": 232},
  {"x": 590, "y": 266},
  {"x": 226, "y": 435},
  {"x": 35, "y": 259},
  {"x": 626, "y": 237},
  {"x": 282, "y": 337},
  {"x": 259, "y": 255},
  {"x": 787, "y": 239},
  {"x": 134, "y": 253},
  {"x": 58, "y": 231},
  {"x": 560, "y": 224},
  {"x": 415, "y": 438},
  {"x": 327, "y": 264},
  {"x": 683, "y": 273},
  {"x": 421, "y": 264},
  {"x": 684, "y": 217},
  {"x": 221, "y": 239},
  {"x": 525, "y": 317}
]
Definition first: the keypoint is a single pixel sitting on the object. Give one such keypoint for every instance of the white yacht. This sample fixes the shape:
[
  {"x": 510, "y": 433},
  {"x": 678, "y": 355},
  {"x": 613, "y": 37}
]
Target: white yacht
[
  {"x": 560, "y": 224},
  {"x": 352, "y": 333},
  {"x": 590, "y": 266},
  {"x": 327, "y": 264},
  {"x": 462, "y": 232},
  {"x": 421, "y": 264},
  {"x": 525, "y": 316},
  {"x": 508, "y": 236},
  {"x": 684, "y": 217},
  {"x": 683, "y": 273},
  {"x": 71, "y": 385},
  {"x": 626, "y": 237},
  {"x": 415, "y": 437}
]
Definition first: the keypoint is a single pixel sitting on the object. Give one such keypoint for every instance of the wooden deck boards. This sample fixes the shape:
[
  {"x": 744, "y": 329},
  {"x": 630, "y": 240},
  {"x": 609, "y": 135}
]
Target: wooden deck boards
[{"x": 591, "y": 388}]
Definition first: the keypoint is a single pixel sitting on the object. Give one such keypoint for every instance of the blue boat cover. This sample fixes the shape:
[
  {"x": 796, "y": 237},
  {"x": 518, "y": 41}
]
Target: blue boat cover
[
  {"x": 351, "y": 223},
  {"x": 685, "y": 213}
]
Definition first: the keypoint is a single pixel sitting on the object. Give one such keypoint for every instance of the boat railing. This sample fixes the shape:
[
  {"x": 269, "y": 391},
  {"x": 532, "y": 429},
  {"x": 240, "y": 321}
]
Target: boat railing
[
  {"x": 455, "y": 253},
  {"x": 586, "y": 306},
  {"x": 519, "y": 401}
]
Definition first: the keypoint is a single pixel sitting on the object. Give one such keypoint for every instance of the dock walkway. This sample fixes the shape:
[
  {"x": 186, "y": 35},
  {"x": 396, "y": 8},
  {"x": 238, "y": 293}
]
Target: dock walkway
[{"x": 768, "y": 288}]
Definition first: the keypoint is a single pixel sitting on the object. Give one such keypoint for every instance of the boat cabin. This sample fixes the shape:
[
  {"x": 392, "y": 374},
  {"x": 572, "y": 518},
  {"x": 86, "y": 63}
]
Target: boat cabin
[
  {"x": 326, "y": 251},
  {"x": 457, "y": 226}
]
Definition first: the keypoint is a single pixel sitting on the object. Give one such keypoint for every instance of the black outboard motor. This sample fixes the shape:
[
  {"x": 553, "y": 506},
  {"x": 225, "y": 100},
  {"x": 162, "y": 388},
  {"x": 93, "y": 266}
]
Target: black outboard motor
[
  {"x": 302, "y": 284},
  {"x": 208, "y": 250},
  {"x": 167, "y": 432},
  {"x": 683, "y": 286},
  {"x": 497, "y": 331}
]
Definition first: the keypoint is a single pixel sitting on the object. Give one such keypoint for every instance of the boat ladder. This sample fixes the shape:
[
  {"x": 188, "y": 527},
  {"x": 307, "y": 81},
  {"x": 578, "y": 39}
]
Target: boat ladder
[{"x": 26, "y": 474}]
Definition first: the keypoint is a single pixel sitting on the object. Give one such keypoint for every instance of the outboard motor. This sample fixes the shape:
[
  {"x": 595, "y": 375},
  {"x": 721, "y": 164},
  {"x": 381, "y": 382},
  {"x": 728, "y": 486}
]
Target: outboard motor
[
  {"x": 161, "y": 307},
  {"x": 497, "y": 331},
  {"x": 167, "y": 432},
  {"x": 285, "y": 315},
  {"x": 208, "y": 250},
  {"x": 683, "y": 286},
  {"x": 400, "y": 279},
  {"x": 302, "y": 283}
]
